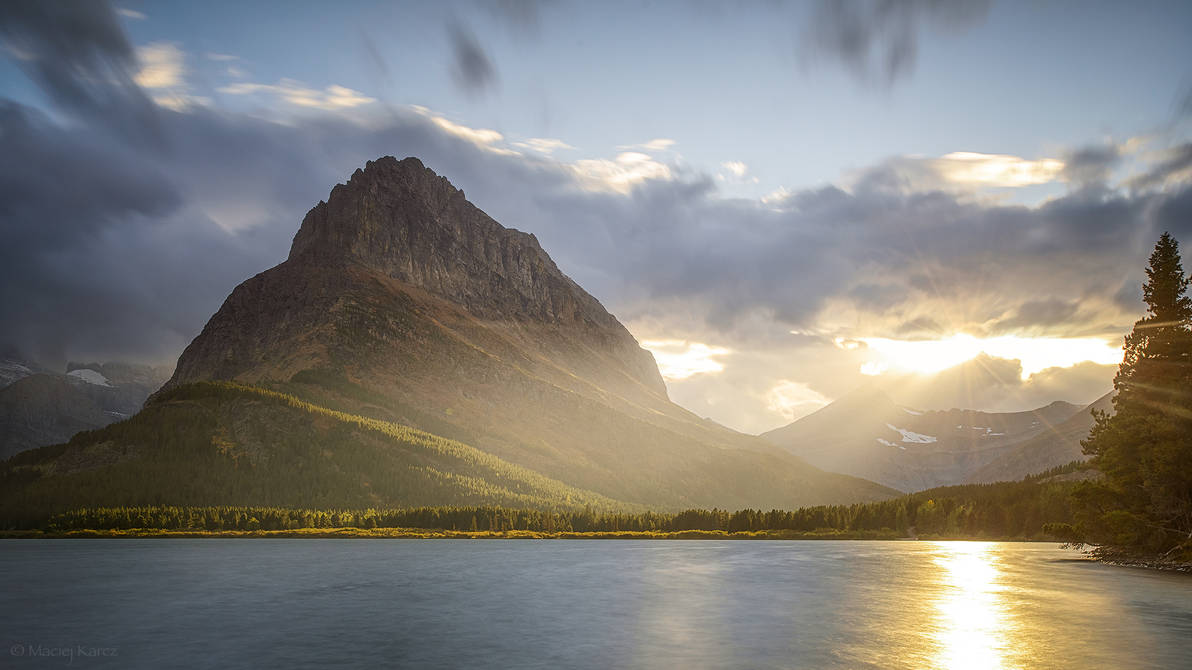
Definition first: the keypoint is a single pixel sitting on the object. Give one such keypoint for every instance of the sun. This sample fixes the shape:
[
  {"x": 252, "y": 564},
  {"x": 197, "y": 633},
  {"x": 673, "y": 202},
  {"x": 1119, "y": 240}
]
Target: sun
[{"x": 1035, "y": 353}]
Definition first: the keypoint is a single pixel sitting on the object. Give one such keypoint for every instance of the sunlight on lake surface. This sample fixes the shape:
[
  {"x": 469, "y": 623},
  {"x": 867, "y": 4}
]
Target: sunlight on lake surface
[
  {"x": 971, "y": 622},
  {"x": 589, "y": 604}
]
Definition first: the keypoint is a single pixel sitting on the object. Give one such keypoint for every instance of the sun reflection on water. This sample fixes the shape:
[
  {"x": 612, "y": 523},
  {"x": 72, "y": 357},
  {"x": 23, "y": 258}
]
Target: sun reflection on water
[{"x": 971, "y": 623}]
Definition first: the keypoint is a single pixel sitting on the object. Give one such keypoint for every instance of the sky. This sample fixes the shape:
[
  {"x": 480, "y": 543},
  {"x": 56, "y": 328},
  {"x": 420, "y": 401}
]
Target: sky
[{"x": 783, "y": 201}]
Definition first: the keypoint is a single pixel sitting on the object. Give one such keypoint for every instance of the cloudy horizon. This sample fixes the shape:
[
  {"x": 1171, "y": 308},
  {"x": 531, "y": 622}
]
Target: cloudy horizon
[{"x": 887, "y": 197}]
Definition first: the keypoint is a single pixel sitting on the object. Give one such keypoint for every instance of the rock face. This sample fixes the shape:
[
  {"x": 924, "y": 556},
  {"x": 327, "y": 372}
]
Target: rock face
[
  {"x": 399, "y": 220},
  {"x": 402, "y": 301}
]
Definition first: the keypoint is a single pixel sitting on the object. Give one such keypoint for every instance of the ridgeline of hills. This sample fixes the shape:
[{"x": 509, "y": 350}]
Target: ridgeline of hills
[
  {"x": 412, "y": 351},
  {"x": 867, "y": 435},
  {"x": 39, "y": 407}
]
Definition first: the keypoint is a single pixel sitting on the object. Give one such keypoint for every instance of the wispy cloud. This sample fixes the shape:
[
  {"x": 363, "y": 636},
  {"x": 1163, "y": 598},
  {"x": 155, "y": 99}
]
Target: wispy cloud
[
  {"x": 291, "y": 91},
  {"x": 162, "y": 65},
  {"x": 471, "y": 68},
  {"x": 131, "y": 14},
  {"x": 620, "y": 175},
  {"x": 878, "y": 41},
  {"x": 959, "y": 170},
  {"x": 484, "y": 138},
  {"x": 658, "y": 144},
  {"x": 163, "y": 74},
  {"x": 543, "y": 145},
  {"x": 735, "y": 168}
]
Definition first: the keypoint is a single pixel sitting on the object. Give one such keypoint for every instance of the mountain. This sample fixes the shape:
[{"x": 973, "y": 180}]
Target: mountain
[
  {"x": 1053, "y": 447},
  {"x": 216, "y": 444},
  {"x": 867, "y": 435},
  {"x": 401, "y": 302},
  {"x": 14, "y": 368},
  {"x": 42, "y": 408}
]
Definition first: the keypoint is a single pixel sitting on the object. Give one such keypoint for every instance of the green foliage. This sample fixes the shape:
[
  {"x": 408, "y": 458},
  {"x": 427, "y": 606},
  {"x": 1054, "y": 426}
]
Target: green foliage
[
  {"x": 225, "y": 444},
  {"x": 1145, "y": 447},
  {"x": 1008, "y": 510}
]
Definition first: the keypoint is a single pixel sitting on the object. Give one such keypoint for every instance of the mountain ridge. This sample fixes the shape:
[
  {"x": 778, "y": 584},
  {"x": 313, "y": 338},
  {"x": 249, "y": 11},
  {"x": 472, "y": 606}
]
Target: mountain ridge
[
  {"x": 401, "y": 301},
  {"x": 866, "y": 434}
]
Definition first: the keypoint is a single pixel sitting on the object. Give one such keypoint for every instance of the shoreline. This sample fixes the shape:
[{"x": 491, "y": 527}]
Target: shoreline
[{"x": 443, "y": 534}]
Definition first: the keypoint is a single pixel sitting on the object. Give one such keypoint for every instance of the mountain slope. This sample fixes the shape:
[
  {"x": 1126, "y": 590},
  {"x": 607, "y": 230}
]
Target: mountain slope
[
  {"x": 403, "y": 302},
  {"x": 46, "y": 408},
  {"x": 866, "y": 434},
  {"x": 1056, "y": 446},
  {"x": 224, "y": 444}
]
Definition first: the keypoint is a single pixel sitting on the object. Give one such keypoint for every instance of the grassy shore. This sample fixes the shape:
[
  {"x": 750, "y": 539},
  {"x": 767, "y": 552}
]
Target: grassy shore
[{"x": 442, "y": 534}]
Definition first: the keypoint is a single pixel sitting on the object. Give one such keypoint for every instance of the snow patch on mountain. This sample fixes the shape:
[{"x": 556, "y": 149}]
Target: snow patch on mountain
[
  {"x": 912, "y": 436},
  {"x": 90, "y": 376},
  {"x": 11, "y": 371}
]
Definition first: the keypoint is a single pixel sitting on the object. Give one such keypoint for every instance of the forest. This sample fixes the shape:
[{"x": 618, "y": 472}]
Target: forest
[{"x": 1008, "y": 510}]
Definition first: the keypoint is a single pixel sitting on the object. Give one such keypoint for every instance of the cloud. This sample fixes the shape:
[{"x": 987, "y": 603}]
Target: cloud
[
  {"x": 996, "y": 384},
  {"x": 735, "y": 168},
  {"x": 543, "y": 145},
  {"x": 161, "y": 65},
  {"x": 878, "y": 41},
  {"x": 131, "y": 14},
  {"x": 220, "y": 58},
  {"x": 1173, "y": 167},
  {"x": 162, "y": 220},
  {"x": 522, "y": 16},
  {"x": 794, "y": 400},
  {"x": 163, "y": 74},
  {"x": 960, "y": 171},
  {"x": 677, "y": 359},
  {"x": 78, "y": 54},
  {"x": 471, "y": 68},
  {"x": 1035, "y": 314},
  {"x": 333, "y": 97},
  {"x": 657, "y": 144},
  {"x": 1091, "y": 165},
  {"x": 483, "y": 138},
  {"x": 621, "y": 175}
]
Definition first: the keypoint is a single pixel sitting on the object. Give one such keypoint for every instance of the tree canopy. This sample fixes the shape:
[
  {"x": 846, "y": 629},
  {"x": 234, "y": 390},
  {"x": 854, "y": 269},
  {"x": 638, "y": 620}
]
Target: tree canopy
[{"x": 1144, "y": 448}]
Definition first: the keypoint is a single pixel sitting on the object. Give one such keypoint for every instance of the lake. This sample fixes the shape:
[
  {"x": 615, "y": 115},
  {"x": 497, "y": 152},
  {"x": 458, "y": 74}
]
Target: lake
[{"x": 277, "y": 603}]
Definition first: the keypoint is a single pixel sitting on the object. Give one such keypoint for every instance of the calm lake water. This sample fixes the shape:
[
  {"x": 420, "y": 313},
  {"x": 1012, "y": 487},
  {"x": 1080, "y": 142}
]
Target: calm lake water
[{"x": 228, "y": 603}]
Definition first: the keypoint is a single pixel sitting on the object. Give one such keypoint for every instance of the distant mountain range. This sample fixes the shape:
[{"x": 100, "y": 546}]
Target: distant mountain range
[
  {"x": 1052, "y": 447},
  {"x": 867, "y": 435},
  {"x": 39, "y": 407},
  {"x": 413, "y": 351}
]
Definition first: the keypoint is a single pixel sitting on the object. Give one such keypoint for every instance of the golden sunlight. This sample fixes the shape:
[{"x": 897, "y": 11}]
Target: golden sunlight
[
  {"x": 971, "y": 622},
  {"x": 680, "y": 359},
  {"x": 1035, "y": 353}
]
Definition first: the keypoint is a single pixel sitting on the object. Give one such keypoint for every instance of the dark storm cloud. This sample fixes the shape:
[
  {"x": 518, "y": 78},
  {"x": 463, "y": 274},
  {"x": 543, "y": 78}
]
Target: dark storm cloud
[
  {"x": 471, "y": 67},
  {"x": 122, "y": 249},
  {"x": 1091, "y": 165},
  {"x": 878, "y": 40},
  {"x": 79, "y": 55}
]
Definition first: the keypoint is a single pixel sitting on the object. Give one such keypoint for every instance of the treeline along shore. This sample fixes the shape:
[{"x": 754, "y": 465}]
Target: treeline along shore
[{"x": 1003, "y": 511}]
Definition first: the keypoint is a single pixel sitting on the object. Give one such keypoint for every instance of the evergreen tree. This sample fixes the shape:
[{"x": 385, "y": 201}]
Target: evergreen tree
[{"x": 1145, "y": 447}]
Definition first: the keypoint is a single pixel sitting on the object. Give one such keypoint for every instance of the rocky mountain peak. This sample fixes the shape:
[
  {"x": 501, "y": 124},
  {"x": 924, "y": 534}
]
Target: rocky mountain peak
[
  {"x": 357, "y": 279},
  {"x": 401, "y": 219}
]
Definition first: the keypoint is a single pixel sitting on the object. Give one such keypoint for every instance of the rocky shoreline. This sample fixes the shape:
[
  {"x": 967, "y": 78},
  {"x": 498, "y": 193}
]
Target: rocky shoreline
[{"x": 1128, "y": 560}]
